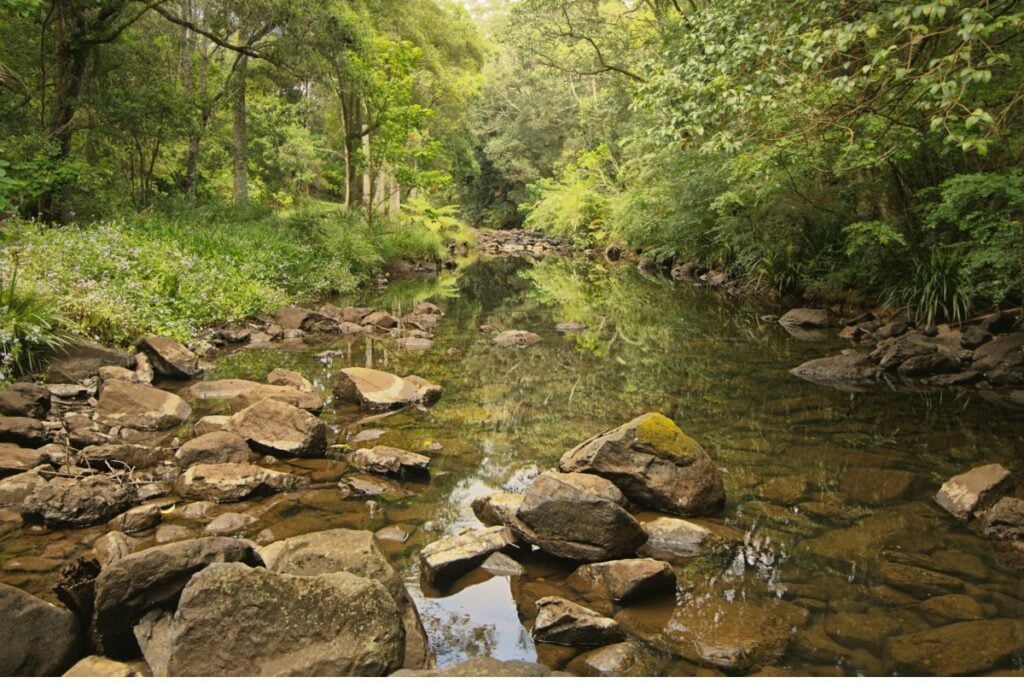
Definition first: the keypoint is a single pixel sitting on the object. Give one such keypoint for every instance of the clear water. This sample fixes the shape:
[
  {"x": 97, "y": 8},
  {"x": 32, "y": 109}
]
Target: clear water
[{"x": 824, "y": 486}]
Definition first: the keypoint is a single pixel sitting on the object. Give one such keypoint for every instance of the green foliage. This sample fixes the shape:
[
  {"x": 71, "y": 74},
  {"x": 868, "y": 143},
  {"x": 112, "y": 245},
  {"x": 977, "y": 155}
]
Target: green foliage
[{"x": 29, "y": 327}]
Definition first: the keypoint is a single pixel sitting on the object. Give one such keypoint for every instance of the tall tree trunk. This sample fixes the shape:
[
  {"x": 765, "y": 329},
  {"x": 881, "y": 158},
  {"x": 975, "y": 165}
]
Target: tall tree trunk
[
  {"x": 69, "y": 64},
  {"x": 241, "y": 169}
]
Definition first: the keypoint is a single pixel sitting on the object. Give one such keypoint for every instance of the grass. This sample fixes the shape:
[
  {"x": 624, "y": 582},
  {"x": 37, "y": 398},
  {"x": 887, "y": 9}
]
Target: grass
[{"x": 173, "y": 272}]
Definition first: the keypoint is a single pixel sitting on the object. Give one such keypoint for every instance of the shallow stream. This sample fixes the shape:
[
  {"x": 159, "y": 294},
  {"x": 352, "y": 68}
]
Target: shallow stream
[{"x": 829, "y": 491}]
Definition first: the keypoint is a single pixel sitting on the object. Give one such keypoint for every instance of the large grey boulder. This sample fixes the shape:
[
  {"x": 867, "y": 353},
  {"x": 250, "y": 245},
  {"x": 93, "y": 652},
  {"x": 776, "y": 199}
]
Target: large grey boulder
[
  {"x": 169, "y": 358},
  {"x": 128, "y": 588},
  {"x": 70, "y": 502},
  {"x": 140, "y": 406},
  {"x": 655, "y": 465},
  {"x": 277, "y": 428},
  {"x": 574, "y": 516},
  {"x": 229, "y": 482},
  {"x": 36, "y": 638},
  {"x": 233, "y": 620},
  {"x": 356, "y": 552}
]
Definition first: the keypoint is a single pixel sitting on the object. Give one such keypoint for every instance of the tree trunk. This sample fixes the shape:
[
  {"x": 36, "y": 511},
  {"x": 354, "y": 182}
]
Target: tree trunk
[{"x": 241, "y": 170}]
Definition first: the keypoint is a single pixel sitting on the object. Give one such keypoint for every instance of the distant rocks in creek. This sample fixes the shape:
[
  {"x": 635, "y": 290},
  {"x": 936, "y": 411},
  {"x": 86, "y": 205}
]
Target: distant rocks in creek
[
  {"x": 391, "y": 462},
  {"x": 517, "y": 338},
  {"x": 521, "y": 243},
  {"x": 985, "y": 353},
  {"x": 806, "y": 317}
]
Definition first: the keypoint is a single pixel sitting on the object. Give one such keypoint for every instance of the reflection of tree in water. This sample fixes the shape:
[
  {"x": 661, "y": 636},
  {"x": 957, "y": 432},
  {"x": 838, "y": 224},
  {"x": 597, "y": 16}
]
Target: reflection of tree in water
[{"x": 454, "y": 637}]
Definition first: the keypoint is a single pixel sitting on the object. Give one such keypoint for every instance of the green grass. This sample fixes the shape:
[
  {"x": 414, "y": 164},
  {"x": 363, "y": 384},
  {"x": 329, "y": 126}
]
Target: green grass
[{"x": 174, "y": 272}]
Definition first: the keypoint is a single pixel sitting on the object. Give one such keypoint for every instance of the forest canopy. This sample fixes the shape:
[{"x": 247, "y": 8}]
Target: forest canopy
[{"x": 861, "y": 150}]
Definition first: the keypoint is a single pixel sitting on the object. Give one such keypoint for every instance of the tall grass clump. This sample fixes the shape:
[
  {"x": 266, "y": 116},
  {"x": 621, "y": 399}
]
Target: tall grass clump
[{"x": 29, "y": 326}]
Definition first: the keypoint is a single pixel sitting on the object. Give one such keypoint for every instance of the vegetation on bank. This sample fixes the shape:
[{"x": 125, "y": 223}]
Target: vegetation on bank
[{"x": 866, "y": 149}]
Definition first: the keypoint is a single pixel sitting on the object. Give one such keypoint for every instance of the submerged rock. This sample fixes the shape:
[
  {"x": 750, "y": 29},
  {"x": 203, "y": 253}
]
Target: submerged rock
[
  {"x": 960, "y": 649},
  {"x": 655, "y": 465},
  {"x": 68, "y": 502},
  {"x": 37, "y": 638},
  {"x": 1005, "y": 519},
  {"x": 574, "y": 516},
  {"x": 128, "y": 588},
  {"x": 447, "y": 559},
  {"x": 277, "y": 428},
  {"x": 169, "y": 358},
  {"x": 563, "y": 622},
  {"x": 140, "y": 406},
  {"x": 965, "y": 493},
  {"x": 678, "y": 540},
  {"x": 326, "y": 552},
  {"x": 518, "y": 338},
  {"x": 843, "y": 371},
  {"x": 234, "y": 620},
  {"x": 228, "y": 482}
]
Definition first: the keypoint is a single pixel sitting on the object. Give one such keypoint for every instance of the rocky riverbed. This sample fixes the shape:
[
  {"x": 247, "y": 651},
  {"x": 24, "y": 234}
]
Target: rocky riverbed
[{"x": 525, "y": 469}]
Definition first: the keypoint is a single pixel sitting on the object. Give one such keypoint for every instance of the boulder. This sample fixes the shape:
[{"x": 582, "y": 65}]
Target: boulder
[
  {"x": 841, "y": 371},
  {"x": 137, "y": 519},
  {"x": 124, "y": 455},
  {"x": 296, "y": 318},
  {"x": 169, "y": 358},
  {"x": 621, "y": 581},
  {"x": 109, "y": 372},
  {"x": 233, "y": 620},
  {"x": 277, "y": 428},
  {"x": 678, "y": 540},
  {"x": 128, "y": 588},
  {"x": 498, "y": 509},
  {"x": 999, "y": 352},
  {"x": 927, "y": 364},
  {"x": 14, "y": 460},
  {"x": 229, "y": 523},
  {"x": 414, "y": 343},
  {"x": 563, "y": 622},
  {"x": 500, "y": 564},
  {"x": 305, "y": 400},
  {"x": 519, "y": 338},
  {"x": 69, "y": 502},
  {"x": 1005, "y": 519},
  {"x": 38, "y": 639},
  {"x": 391, "y": 462},
  {"x": 95, "y": 666},
  {"x": 81, "y": 359},
  {"x": 356, "y": 552},
  {"x": 24, "y": 431},
  {"x": 655, "y": 465},
  {"x": 381, "y": 319},
  {"x": 140, "y": 406},
  {"x": 228, "y": 482},
  {"x": 427, "y": 393},
  {"x": 219, "y": 389},
  {"x": 961, "y": 649},
  {"x": 111, "y": 547},
  {"x": 14, "y": 490},
  {"x": 806, "y": 317},
  {"x": 22, "y": 399},
  {"x": 893, "y": 329},
  {"x": 618, "y": 659},
  {"x": 447, "y": 559},
  {"x": 211, "y": 423},
  {"x": 214, "y": 448},
  {"x": 965, "y": 493},
  {"x": 374, "y": 390},
  {"x": 289, "y": 378},
  {"x": 564, "y": 516},
  {"x": 571, "y": 327}
]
